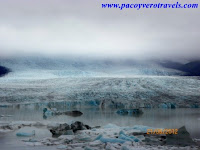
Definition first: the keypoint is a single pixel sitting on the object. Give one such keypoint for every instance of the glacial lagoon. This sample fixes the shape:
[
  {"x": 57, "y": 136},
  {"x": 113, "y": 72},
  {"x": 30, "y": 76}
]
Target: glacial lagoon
[{"x": 94, "y": 116}]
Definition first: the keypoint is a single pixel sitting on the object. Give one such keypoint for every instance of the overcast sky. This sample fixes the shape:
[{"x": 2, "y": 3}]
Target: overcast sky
[{"x": 82, "y": 27}]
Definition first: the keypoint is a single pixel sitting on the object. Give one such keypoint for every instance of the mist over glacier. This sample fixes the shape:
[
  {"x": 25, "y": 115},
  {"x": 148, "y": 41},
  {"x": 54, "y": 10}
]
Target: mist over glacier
[{"x": 83, "y": 67}]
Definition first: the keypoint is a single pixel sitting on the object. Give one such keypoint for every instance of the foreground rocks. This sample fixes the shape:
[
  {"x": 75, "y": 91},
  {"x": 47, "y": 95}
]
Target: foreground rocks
[
  {"x": 65, "y": 129},
  {"x": 79, "y": 136},
  {"x": 112, "y": 137},
  {"x": 182, "y": 138}
]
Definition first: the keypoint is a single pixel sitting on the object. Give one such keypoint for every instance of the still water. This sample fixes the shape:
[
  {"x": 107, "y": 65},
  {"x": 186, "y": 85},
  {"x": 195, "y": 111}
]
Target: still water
[{"x": 160, "y": 118}]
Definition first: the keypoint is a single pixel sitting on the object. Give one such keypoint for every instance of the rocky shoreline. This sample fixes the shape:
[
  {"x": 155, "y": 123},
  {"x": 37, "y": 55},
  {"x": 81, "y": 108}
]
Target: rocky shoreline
[{"x": 80, "y": 136}]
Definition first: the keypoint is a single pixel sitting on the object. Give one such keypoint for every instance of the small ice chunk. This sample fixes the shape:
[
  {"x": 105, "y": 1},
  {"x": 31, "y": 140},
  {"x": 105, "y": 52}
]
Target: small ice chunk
[
  {"x": 33, "y": 143},
  {"x": 95, "y": 143},
  {"x": 52, "y": 125},
  {"x": 128, "y": 138},
  {"x": 131, "y": 138},
  {"x": 98, "y": 137},
  {"x": 110, "y": 147},
  {"x": 66, "y": 137},
  {"x": 140, "y": 137},
  {"x": 110, "y": 125},
  {"x": 111, "y": 140},
  {"x": 88, "y": 148},
  {"x": 84, "y": 137},
  {"x": 124, "y": 148},
  {"x": 142, "y": 128}
]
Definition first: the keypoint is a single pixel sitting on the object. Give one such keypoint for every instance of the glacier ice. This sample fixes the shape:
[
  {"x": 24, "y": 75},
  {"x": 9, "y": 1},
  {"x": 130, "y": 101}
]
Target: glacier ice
[{"x": 134, "y": 92}]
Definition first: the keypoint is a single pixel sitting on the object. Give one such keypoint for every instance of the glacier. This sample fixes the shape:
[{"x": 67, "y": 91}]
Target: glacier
[
  {"x": 104, "y": 83},
  {"x": 136, "y": 91}
]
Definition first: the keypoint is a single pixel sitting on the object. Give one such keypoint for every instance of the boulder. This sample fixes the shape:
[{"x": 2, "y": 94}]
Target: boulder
[
  {"x": 66, "y": 129},
  {"x": 74, "y": 113},
  {"x": 79, "y": 126},
  {"x": 60, "y": 130},
  {"x": 181, "y": 139}
]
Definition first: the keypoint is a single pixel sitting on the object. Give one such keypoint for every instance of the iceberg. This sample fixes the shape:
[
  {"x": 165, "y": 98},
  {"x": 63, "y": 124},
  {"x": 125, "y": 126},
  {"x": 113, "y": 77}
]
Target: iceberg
[
  {"x": 24, "y": 134},
  {"x": 125, "y": 137},
  {"x": 111, "y": 140},
  {"x": 163, "y": 105},
  {"x": 129, "y": 112},
  {"x": 142, "y": 128}
]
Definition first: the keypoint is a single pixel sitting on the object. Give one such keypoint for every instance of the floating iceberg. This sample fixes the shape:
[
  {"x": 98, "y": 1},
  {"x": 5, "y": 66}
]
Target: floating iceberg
[
  {"x": 129, "y": 112},
  {"x": 125, "y": 137},
  {"x": 111, "y": 140},
  {"x": 24, "y": 134}
]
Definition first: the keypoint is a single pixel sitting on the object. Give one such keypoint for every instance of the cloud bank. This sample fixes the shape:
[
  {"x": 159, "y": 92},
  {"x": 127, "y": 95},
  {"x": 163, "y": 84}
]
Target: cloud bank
[{"x": 76, "y": 27}]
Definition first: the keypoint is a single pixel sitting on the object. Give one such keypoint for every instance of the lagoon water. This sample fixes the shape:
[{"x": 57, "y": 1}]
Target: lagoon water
[{"x": 93, "y": 116}]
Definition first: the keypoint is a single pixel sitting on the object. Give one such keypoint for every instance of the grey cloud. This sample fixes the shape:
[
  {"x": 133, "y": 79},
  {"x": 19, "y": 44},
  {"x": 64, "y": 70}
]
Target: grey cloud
[{"x": 84, "y": 28}]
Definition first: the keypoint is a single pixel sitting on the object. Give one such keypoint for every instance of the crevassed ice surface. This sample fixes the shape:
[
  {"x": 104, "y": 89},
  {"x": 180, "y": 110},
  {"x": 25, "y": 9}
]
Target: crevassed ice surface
[{"x": 153, "y": 90}]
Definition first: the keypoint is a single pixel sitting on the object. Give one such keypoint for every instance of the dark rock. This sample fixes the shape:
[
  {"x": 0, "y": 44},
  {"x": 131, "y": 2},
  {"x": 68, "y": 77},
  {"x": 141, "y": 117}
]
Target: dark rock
[
  {"x": 60, "y": 130},
  {"x": 181, "y": 139},
  {"x": 65, "y": 129},
  {"x": 3, "y": 71},
  {"x": 154, "y": 139},
  {"x": 79, "y": 126},
  {"x": 74, "y": 113}
]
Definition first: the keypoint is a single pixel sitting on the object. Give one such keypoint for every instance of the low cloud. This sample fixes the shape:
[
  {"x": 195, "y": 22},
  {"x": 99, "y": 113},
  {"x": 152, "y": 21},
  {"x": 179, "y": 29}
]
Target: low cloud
[{"x": 52, "y": 27}]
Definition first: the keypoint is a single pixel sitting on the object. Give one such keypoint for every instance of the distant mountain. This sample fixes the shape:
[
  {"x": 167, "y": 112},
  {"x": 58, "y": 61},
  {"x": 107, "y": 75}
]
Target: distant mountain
[
  {"x": 190, "y": 69},
  {"x": 3, "y": 71},
  {"x": 171, "y": 64}
]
